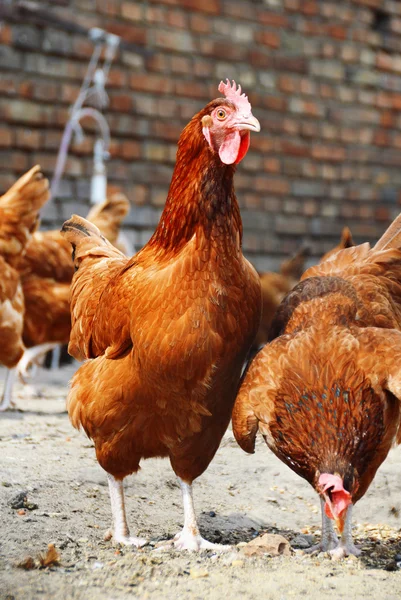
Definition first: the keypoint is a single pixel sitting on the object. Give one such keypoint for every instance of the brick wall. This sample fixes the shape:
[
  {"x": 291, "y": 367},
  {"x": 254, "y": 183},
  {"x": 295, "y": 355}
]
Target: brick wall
[{"x": 324, "y": 78}]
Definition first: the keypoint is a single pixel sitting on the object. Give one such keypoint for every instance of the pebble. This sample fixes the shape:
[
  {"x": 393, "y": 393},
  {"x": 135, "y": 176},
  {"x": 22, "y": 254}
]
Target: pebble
[
  {"x": 198, "y": 574},
  {"x": 302, "y": 541},
  {"x": 237, "y": 563}
]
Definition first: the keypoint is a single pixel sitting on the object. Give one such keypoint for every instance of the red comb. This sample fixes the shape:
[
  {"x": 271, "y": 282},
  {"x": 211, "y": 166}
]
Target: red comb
[{"x": 233, "y": 93}]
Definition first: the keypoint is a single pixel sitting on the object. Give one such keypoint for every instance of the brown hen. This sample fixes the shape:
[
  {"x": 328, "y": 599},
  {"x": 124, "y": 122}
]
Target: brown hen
[
  {"x": 19, "y": 217},
  {"x": 346, "y": 241},
  {"x": 325, "y": 392},
  {"x": 46, "y": 272},
  {"x": 166, "y": 332},
  {"x": 274, "y": 287}
]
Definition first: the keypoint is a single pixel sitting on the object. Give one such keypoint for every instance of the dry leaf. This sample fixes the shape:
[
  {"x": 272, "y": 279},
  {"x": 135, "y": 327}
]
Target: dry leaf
[
  {"x": 52, "y": 557},
  {"x": 28, "y": 563}
]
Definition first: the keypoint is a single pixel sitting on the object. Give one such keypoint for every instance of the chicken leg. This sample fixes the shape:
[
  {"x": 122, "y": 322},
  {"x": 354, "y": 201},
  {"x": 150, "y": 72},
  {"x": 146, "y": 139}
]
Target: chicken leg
[
  {"x": 329, "y": 539},
  {"x": 120, "y": 533},
  {"x": 6, "y": 401},
  {"x": 30, "y": 356},
  {"x": 346, "y": 545},
  {"x": 189, "y": 538}
]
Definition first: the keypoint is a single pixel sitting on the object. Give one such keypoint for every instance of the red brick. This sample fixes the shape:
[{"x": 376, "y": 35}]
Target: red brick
[
  {"x": 191, "y": 89},
  {"x": 132, "y": 11},
  {"x": 151, "y": 83},
  {"x": 139, "y": 194},
  {"x": 116, "y": 78},
  {"x": 212, "y": 7},
  {"x": 155, "y": 14},
  {"x": 308, "y": 7},
  {"x": 5, "y": 33},
  {"x": 382, "y": 138},
  {"x": 272, "y": 165},
  {"x": 107, "y": 7},
  {"x": 382, "y": 213},
  {"x": 387, "y": 119},
  {"x": 268, "y": 38},
  {"x": 396, "y": 101},
  {"x": 8, "y": 87},
  {"x": 337, "y": 31},
  {"x": 121, "y": 102},
  {"x": 258, "y": 58},
  {"x": 287, "y": 84},
  {"x": 199, "y": 23},
  {"x": 177, "y": 19},
  {"x": 129, "y": 33},
  {"x": 291, "y": 63},
  {"x": 275, "y": 103},
  {"x": 158, "y": 62},
  {"x": 294, "y": 149},
  {"x": 129, "y": 150},
  {"x": 181, "y": 64},
  {"x": 28, "y": 138},
  {"x": 6, "y": 137},
  {"x": 329, "y": 153},
  {"x": 25, "y": 89},
  {"x": 273, "y": 19},
  {"x": 384, "y": 61},
  {"x": 69, "y": 92}
]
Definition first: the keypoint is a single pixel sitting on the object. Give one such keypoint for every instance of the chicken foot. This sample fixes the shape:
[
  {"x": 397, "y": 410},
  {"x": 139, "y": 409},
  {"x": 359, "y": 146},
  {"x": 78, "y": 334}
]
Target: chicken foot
[
  {"x": 329, "y": 539},
  {"x": 189, "y": 538},
  {"x": 346, "y": 545},
  {"x": 120, "y": 533},
  {"x": 6, "y": 401}
]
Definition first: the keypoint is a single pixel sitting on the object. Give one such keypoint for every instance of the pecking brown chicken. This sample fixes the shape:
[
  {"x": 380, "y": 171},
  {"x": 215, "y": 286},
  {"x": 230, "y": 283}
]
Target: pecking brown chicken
[
  {"x": 19, "y": 217},
  {"x": 274, "y": 287},
  {"x": 325, "y": 392},
  {"x": 46, "y": 272},
  {"x": 166, "y": 332}
]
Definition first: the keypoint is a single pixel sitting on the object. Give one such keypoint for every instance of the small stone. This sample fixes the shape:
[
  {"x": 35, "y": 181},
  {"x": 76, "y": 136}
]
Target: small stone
[
  {"x": 198, "y": 574},
  {"x": 237, "y": 563}
]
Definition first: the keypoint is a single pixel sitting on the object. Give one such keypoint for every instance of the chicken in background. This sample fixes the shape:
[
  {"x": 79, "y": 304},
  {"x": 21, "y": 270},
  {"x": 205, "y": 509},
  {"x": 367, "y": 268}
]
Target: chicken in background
[
  {"x": 325, "y": 392},
  {"x": 46, "y": 272},
  {"x": 19, "y": 217},
  {"x": 345, "y": 242},
  {"x": 166, "y": 333},
  {"x": 274, "y": 287}
]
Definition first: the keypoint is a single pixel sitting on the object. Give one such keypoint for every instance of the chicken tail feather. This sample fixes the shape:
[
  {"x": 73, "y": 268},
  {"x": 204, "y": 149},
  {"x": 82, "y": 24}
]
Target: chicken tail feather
[
  {"x": 19, "y": 211},
  {"x": 96, "y": 262},
  {"x": 391, "y": 238}
]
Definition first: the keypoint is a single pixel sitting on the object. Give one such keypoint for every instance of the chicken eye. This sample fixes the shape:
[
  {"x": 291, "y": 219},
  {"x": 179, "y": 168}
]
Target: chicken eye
[{"x": 221, "y": 114}]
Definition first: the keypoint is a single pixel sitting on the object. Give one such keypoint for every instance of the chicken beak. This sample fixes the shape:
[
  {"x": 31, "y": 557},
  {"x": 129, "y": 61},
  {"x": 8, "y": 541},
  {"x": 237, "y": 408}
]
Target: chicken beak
[{"x": 248, "y": 123}]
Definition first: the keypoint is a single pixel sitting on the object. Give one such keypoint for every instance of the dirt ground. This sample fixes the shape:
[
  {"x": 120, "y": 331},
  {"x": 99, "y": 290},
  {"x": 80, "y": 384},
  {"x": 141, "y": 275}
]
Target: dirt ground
[{"x": 237, "y": 498}]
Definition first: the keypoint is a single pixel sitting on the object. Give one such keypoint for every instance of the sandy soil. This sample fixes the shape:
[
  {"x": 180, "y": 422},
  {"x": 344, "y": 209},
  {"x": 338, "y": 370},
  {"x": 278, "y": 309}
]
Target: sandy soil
[{"x": 238, "y": 497}]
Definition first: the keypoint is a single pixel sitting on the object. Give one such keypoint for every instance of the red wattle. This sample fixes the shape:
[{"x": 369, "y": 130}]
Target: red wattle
[{"x": 244, "y": 146}]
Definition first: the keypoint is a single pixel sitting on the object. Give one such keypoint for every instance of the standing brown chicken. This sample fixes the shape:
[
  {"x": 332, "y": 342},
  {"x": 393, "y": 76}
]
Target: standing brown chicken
[
  {"x": 19, "y": 217},
  {"x": 167, "y": 332},
  {"x": 325, "y": 392}
]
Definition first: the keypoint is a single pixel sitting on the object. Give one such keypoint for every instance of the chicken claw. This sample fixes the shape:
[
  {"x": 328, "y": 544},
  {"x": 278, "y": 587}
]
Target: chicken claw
[
  {"x": 125, "y": 540},
  {"x": 189, "y": 538},
  {"x": 186, "y": 540},
  {"x": 344, "y": 550}
]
